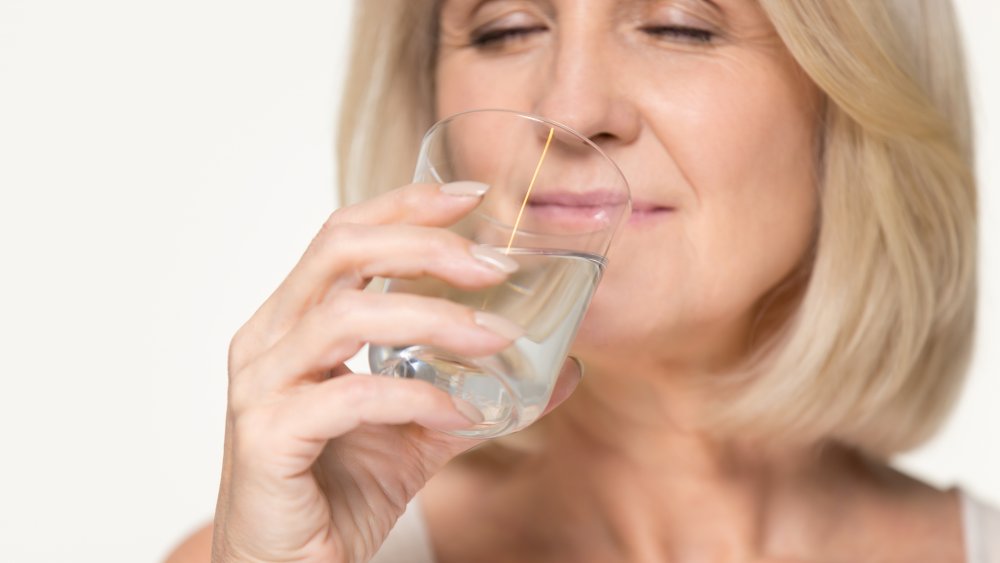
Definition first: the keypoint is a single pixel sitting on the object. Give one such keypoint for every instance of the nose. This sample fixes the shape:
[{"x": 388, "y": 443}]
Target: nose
[{"x": 579, "y": 85}]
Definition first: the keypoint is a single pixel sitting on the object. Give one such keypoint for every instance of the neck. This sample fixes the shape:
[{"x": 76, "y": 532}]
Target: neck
[{"x": 623, "y": 460}]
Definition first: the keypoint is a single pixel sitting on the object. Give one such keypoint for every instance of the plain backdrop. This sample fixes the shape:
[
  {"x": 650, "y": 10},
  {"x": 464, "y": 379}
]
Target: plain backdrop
[{"x": 162, "y": 166}]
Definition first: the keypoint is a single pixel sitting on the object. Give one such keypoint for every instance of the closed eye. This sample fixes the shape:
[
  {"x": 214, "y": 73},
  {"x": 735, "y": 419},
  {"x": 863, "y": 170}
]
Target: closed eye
[
  {"x": 497, "y": 37},
  {"x": 690, "y": 34}
]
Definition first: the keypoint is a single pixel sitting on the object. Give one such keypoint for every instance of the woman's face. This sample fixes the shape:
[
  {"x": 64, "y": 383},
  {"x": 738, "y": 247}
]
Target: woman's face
[{"x": 710, "y": 119}]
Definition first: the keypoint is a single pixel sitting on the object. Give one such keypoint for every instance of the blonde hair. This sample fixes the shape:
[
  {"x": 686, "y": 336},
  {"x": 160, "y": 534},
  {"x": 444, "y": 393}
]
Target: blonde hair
[
  {"x": 388, "y": 99},
  {"x": 874, "y": 352}
]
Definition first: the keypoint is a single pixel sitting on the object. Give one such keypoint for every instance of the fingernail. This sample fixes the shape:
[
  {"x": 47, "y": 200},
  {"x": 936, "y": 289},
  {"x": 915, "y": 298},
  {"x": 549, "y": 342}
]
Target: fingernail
[
  {"x": 468, "y": 410},
  {"x": 499, "y": 325},
  {"x": 494, "y": 258},
  {"x": 465, "y": 189}
]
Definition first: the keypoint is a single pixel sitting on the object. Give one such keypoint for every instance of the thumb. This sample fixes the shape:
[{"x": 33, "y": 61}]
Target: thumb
[{"x": 569, "y": 377}]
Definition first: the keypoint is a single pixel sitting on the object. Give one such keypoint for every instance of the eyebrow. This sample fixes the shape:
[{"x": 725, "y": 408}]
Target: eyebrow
[
  {"x": 710, "y": 3},
  {"x": 477, "y": 4},
  {"x": 472, "y": 4},
  {"x": 713, "y": 4}
]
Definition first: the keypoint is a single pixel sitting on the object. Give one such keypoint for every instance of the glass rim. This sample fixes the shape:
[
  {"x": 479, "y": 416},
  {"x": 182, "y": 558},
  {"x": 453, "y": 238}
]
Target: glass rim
[
  {"x": 539, "y": 119},
  {"x": 626, "y": 204},
  {"x": 538, "y": 235}
]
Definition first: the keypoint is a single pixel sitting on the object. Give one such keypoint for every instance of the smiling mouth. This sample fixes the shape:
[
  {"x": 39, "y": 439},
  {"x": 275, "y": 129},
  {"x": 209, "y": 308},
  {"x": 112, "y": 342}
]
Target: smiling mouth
[{"x": 594, "y": 205}]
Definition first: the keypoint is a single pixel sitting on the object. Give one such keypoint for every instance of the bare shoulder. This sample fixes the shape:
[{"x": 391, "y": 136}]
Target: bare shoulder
[
  {"x": 924, "y": 523},
  {"x": 196, "y": 548}
]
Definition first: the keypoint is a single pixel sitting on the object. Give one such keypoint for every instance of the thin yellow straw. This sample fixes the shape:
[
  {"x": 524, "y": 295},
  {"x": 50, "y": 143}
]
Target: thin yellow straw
[{"x": 531, "y": 185}]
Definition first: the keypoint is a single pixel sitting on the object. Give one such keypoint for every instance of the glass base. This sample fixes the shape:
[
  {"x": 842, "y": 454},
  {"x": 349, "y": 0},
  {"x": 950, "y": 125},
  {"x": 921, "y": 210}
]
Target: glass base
[{"x": 470, "y": 382}]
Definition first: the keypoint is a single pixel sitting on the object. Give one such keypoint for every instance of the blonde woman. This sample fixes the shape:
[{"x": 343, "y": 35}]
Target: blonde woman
[{"x": 790, "y": 304}]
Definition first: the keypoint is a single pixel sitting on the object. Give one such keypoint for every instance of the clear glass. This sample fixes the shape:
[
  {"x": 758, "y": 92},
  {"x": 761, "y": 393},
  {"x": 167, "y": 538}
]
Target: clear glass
[{"x": 554, "y": 204}]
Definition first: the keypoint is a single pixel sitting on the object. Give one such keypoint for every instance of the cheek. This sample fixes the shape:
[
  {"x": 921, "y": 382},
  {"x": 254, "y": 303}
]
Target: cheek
[
  {"x": 736, "y": 142},
  {"x": 465, "y": 82},
  {"x": 754, "y": 179}
]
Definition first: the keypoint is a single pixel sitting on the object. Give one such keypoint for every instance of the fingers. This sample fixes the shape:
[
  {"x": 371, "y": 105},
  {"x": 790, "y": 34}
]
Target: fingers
[
  {"x": 358, "y": 243},
  {"x": 339, "y": 405},
  {"x": 335, "y": 330},
  {"x": 349, "y": 255},
  {"x": 297, "y": 428},
  {"x": 416, "y": 204},
  {"x": 362, "y": 239},
  {"x": 569, "y": 378}
]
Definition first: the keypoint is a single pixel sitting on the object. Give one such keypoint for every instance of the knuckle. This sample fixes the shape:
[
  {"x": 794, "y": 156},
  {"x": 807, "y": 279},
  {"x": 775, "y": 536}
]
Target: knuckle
[
  {"x": 340, "y": 215},
  {"x": 342, "y": 305},
  {"x": 334, "y": 234},
  {"x": 242, "y": 393},
  {"x": 253, "y": 431},
  {"x": 238, "y": 348},
  {"x": 248, "y": 343}
]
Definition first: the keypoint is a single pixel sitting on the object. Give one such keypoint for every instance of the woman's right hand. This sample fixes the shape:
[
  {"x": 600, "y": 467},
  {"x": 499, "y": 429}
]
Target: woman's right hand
[{"x": 320, "y": 462}]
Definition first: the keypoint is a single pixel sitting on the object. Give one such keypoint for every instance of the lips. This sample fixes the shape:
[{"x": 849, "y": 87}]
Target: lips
[
  {"x": 590, "y": 210},
  {"x": 597, "y": 204}
]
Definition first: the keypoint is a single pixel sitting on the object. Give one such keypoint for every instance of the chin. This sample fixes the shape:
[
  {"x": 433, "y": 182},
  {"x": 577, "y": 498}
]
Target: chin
[{"x": 605, "y": 331}]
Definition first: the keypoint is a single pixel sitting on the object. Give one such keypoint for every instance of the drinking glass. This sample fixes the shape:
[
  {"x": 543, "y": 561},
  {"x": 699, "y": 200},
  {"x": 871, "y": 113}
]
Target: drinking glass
[{"x": 554, "y": 202}]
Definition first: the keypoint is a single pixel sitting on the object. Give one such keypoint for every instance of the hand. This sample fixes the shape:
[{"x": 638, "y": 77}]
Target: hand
[{"x": 320, "y": 462}]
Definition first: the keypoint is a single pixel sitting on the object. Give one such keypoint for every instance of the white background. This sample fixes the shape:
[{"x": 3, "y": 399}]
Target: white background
[{"x": 162, "y": 165}]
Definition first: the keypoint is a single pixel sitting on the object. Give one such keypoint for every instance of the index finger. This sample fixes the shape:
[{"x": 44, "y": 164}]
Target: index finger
[
  {"x": 418, "y": 205},
  {"x": 433, "y": 205}
]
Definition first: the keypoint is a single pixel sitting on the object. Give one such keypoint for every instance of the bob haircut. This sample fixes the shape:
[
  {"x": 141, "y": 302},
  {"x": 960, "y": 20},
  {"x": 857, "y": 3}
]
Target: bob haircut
[{"x": 874, "y": 350}]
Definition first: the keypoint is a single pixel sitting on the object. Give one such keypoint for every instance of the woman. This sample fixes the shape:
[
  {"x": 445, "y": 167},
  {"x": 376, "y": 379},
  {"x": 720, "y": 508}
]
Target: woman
[{"x": 790, "y": 304}]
